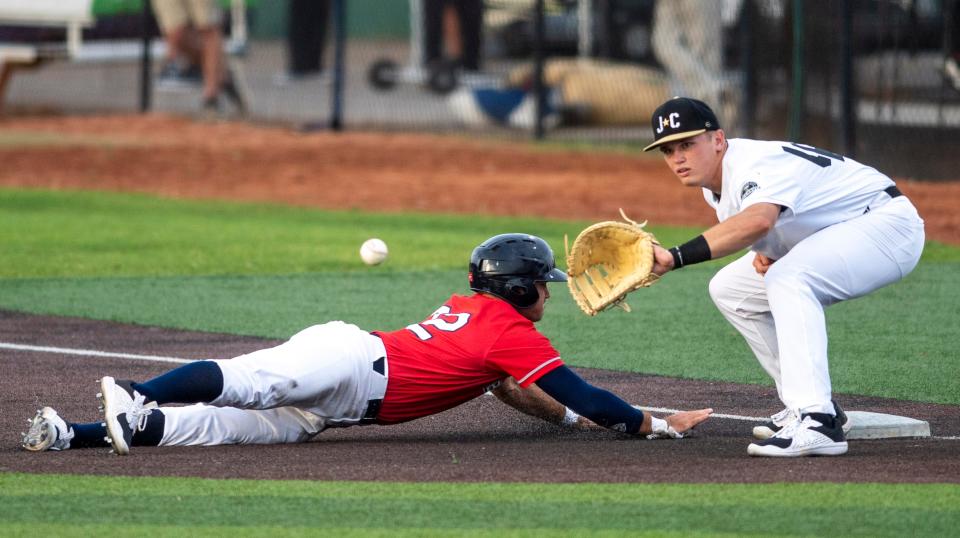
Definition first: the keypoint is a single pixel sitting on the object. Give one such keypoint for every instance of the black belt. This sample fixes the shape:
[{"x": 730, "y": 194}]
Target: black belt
[
  {"x": 373, "y": 406},
  {"x": 892, "y": 191},
  {"x": 373, "y": 409}
]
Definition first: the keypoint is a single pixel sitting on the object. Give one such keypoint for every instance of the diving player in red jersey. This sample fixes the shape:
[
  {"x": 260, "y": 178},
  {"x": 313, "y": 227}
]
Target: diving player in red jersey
[{"x": 335, "y": 374}]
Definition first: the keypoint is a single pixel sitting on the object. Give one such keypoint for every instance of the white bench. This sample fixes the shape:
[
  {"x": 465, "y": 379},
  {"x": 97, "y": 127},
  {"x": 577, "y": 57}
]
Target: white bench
[{"x": 74, "y": 16}]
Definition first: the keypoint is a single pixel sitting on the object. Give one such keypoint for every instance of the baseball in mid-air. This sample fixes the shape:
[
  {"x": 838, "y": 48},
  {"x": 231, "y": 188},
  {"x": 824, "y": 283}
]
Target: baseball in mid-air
[{"x": 373, "y": 251}]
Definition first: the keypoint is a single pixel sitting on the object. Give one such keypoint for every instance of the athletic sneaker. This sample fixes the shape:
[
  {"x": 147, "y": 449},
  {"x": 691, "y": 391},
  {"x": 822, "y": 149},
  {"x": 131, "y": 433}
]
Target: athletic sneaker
[
  {"x": 816, "y": 434},
  {"x": 125, "y": 412},
  {"x": 211, "y": 109},
  {"x": 232, "y": 92},
  {"x": 47, "y": 432},
  {"x": 288, "y": 78},
  {"x": 781, "y": 419},
  {"x": 175, "y": 75}
]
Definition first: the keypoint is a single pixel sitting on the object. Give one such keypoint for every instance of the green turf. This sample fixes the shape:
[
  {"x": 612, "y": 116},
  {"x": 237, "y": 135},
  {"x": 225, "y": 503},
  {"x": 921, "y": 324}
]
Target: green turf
[
  {"x": 213, "y": 263},
  {"x": 42, "y": 505}
]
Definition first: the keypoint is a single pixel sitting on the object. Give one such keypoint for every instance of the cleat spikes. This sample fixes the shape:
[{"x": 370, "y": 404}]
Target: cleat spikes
[{"x": 47, "y": 432}]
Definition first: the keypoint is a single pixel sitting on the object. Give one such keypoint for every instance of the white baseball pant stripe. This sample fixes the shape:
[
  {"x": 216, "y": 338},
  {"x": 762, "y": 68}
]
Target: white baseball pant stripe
[
  {"x": 781, "y": 314},
  {"x": 322, "y": 377}
]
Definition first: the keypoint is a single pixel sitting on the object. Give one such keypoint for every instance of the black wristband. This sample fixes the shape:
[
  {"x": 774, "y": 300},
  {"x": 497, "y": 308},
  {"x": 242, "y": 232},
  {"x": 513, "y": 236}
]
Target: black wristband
[{"x": 693, "y": 251}]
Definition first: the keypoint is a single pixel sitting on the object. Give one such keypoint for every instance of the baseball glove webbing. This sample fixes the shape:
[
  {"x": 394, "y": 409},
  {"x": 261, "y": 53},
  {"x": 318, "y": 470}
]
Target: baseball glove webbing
[{"x": 607, "y": 261}]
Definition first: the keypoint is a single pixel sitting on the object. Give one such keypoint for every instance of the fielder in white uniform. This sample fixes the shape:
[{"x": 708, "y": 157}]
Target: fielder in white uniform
[{"x": 820, "y": 228}]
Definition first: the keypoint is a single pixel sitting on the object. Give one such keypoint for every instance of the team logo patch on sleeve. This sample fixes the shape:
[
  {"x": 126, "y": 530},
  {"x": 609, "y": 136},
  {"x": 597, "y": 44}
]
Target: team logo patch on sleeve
[{"x": 748, "y": 189}]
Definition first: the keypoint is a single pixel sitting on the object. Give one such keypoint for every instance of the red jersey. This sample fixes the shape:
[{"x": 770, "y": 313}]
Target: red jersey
[{"x": 458, "y": 353}]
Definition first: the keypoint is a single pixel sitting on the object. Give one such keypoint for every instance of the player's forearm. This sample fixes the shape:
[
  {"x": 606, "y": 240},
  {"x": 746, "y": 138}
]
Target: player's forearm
[
  {"x": 741, "y": 230},
  {"x": 736, "y": 233}
]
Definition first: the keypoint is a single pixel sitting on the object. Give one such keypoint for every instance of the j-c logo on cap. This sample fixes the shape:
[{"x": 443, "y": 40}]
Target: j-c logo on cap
[{"x": 670, "y": 120}]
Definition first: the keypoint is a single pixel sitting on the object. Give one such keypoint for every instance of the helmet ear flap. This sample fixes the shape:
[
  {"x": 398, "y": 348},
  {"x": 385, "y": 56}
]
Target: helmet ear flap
[{"x": 522, "y": 292}]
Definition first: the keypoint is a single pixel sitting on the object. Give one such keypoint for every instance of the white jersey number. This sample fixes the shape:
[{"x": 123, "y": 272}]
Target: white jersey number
[
  {"x": 442, "y": 320},
  {"x": 819, "y": 157}
]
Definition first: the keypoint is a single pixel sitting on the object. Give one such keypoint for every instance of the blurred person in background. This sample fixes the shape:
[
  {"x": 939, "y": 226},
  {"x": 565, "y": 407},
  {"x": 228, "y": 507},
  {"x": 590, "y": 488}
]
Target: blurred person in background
[
  {"x": 951, "y": 64},
  {"x": 192, "y": 30},
  {"x": 306, "y": 35},
  {"x": 453, "y": 30},
  {"x": 688, "y": 41}
]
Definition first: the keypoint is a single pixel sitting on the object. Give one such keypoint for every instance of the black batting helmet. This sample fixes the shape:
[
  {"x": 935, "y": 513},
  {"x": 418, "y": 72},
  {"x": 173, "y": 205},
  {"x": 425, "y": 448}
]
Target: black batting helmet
[{"x": 507, "y": 266}]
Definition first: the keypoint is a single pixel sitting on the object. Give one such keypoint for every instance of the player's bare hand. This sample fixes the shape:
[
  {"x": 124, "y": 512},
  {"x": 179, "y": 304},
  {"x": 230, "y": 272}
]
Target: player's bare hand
[
  {"x": 662, "y": 260},
  {"x": 685, "y": 420},
  {"x": 762, "y": 263}
]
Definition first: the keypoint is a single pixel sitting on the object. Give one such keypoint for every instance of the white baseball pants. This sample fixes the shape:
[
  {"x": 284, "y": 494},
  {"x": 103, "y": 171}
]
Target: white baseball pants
[
  {"x": 781, "y": 314},
  {"x": 322, "y": 377}
]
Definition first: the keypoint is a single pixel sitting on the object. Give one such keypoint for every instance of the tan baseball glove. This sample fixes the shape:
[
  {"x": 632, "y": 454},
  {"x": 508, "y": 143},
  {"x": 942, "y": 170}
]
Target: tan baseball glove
[{"x": 607, "y": 261}]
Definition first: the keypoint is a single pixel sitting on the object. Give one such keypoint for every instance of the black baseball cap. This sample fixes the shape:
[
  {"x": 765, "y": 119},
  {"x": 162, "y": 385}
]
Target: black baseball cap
[{"x": 681, "y": 117}]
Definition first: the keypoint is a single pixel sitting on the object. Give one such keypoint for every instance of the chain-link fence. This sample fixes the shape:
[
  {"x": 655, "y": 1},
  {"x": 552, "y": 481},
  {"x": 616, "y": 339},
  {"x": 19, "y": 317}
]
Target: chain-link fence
[
  {"x": 869, "y": 78},
  {"x": 875, "y": 79}
]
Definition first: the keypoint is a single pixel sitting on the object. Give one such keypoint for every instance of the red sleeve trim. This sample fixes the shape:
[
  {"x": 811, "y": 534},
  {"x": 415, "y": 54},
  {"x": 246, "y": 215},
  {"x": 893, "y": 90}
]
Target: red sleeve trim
[{"x": 540, "y": 371}]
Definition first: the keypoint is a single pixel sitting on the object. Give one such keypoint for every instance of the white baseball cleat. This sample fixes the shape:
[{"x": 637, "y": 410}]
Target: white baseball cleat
[
  {"x": 47, "y": 432},
  {"x": 817, "y": 434},
  {"x": 124, "y": 412},
  {"x": 781, "y": 419}
]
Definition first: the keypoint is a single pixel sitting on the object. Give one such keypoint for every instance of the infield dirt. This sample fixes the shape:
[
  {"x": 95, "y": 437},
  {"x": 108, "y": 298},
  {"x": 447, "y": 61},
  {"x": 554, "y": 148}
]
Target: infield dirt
[{"x": 482, "y": 440}]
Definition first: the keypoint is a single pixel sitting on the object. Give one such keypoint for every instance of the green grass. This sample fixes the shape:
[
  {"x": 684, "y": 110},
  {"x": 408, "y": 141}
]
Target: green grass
[
  {"x": 60, "y": 505},
  {"x": 93, "y": 234},
  {"x": 214, "y": 267}
]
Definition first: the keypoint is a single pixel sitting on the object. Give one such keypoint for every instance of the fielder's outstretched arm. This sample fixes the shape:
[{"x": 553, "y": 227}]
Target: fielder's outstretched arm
[{"x": 738, "y": 232}]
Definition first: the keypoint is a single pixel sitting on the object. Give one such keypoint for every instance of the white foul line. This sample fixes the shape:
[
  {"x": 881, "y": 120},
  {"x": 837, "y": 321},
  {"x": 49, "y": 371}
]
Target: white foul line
[
  {"x": 92, "y": 353},
  {"x": 157, "y": 358},
  {"x": 713, "y": 415}
]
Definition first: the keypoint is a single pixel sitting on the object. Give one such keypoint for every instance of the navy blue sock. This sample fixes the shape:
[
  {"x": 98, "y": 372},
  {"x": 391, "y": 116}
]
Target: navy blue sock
[
  {"x": 89, "y": 435},
  {"x": 93, "y": 434},
  {"x": 196, "y": 382}
]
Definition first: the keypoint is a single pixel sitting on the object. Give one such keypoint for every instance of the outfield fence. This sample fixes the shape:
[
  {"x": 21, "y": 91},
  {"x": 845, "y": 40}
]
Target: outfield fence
[{"x": 868, "y": 78}]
